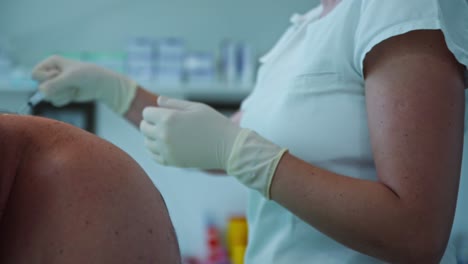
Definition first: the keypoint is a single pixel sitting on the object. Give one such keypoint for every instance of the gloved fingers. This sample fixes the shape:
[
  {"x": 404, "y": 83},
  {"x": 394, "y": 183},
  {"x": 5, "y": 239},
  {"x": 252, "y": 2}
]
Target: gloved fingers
[
  {"x": 159, "y": 159},
  {"x": 45, "y": 75},
  {"x": 154, "y": 132},
  {"x": 148, "y": 130},
  {"x": 155, "y": 115},
  {"x": 60, "y": 100},
  {"x": 53, "y": 63},
  {"x": 172, "y": 103},
  {"x": 154, "y": 148},
  {"x": 52, "y": 87},
  {"x": 57, "y": 92}
]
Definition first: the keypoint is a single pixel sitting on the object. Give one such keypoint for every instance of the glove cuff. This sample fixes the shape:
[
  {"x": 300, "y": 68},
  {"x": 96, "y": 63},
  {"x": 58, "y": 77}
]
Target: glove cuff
[
  {"x": 123, "y": 99},
  {"x": 253, "y": 161}
]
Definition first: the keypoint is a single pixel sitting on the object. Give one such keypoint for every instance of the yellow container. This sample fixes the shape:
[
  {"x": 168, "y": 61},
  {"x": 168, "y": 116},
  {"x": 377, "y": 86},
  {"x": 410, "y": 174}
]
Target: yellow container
[
  {"x": 238, "y": 253},
  {"x": 237, "y": 233}
]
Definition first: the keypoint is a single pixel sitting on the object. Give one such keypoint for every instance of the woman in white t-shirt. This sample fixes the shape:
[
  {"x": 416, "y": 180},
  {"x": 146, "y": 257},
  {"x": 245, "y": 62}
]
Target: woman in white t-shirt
[{"x": 351, "y": 140}]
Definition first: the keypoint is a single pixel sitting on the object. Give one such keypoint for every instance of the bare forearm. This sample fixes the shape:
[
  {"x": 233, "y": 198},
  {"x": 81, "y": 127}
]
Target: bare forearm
[
  {"x": 143, "y": 98},
  {"x": 364, "y": 215}
]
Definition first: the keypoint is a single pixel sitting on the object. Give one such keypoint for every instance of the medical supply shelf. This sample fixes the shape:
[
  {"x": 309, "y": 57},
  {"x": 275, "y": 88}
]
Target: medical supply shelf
[
  {"x": 23, "y": 88},
  {"x": 216, "y": 94}
]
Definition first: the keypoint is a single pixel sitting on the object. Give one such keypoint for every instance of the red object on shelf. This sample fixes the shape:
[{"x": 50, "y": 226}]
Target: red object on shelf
[
  {"x": 192, "y": 260},
  {"x": 216, "y": 253}
]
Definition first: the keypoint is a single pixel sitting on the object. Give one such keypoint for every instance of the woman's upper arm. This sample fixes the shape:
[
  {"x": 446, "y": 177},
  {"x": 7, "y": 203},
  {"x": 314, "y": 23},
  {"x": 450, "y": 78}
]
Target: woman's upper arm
[{"x": 415, "y": 104}]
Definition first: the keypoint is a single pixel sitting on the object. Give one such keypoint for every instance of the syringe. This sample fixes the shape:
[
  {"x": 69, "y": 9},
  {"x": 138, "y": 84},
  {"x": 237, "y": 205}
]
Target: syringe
[{"x": 32, "y": 102}]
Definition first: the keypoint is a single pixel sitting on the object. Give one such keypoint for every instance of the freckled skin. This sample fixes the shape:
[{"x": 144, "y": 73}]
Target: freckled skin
[{"x": 69, "y": 197}]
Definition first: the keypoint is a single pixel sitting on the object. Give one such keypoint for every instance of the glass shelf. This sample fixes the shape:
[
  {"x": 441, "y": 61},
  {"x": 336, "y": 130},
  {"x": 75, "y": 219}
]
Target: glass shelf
[{"x": 215, "y": 93}]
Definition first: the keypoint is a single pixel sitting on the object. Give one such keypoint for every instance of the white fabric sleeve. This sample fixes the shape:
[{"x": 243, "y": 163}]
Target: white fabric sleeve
[
  {"x": 381, "y": 20},
  {"x": 454, "y": 16},
  {"x": 244, "y": 104}
]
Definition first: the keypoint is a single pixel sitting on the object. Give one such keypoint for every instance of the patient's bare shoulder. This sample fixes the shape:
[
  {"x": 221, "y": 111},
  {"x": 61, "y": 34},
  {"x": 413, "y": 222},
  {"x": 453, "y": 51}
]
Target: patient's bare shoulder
[
  {"x": 100, "y": 190},
  {"x": 48, "y": 144}
]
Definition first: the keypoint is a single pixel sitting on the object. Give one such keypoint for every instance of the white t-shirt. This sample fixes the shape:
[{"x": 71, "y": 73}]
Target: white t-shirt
[
  {"x": 310, "y": 98},
  {"x": 454, "y": 17}
]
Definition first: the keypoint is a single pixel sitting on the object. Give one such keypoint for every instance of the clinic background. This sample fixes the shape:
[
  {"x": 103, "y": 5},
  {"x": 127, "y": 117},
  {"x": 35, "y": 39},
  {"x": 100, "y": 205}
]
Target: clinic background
[{"x": 35, "y": 29}]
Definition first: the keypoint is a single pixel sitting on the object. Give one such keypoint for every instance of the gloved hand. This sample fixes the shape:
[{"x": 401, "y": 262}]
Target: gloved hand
[
  {"x": 193, "y": 135},
  {"x": 63, "y": 81}
]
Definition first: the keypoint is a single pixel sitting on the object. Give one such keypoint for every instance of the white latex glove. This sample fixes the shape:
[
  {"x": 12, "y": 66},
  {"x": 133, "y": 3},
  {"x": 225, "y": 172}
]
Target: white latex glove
[
  {"x": 63, "y": 81},
  {"x": 193, "y": 135}
]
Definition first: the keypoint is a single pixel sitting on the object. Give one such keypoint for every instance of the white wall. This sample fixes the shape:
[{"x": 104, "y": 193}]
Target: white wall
[{"x": 36, "y": 28}]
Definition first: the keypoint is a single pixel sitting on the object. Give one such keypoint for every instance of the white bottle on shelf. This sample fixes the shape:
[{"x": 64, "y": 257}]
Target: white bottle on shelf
[
  {"x": 200, "y": 69},
  {"x": 228, "y": 63},
  {"x": 139, "y": 62},
  {"x": 169, "y": 61},
  {"x": 246, "y": 65}
]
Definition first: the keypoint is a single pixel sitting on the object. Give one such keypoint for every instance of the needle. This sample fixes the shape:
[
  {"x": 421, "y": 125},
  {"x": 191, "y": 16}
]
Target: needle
[{"x": 32, "y": 102}]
